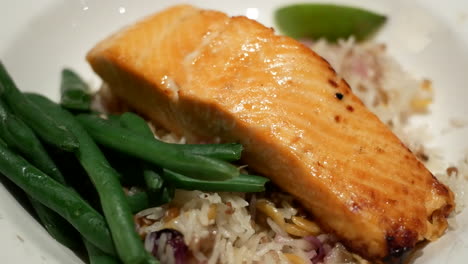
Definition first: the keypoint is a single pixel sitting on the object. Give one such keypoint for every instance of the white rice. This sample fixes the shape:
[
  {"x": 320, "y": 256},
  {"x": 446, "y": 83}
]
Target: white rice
[
  {"x": 225, "y": 227},
  {"x": 230, "y": 234}
]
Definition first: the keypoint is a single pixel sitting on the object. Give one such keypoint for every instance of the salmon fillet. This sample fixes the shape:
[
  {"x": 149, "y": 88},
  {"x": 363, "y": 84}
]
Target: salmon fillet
[{"x": 205, "y": 75}]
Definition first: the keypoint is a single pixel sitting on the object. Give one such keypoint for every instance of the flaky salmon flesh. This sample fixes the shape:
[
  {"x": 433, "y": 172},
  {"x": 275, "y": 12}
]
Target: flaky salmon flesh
[{"x": 204, "y": 75}]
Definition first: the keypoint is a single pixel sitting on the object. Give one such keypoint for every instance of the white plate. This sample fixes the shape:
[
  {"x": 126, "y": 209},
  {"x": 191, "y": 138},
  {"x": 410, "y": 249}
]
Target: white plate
[{"x": 39, "y": 38}]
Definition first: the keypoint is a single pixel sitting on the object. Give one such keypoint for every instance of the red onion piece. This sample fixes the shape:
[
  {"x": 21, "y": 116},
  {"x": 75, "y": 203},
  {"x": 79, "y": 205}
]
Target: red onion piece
[
  {"x": 319, "y": 248},
  {"x": 167, "y": 238}
]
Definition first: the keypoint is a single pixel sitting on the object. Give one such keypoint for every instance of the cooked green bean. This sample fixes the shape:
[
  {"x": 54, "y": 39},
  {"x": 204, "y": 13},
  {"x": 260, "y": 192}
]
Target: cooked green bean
[
  {"x": 243, "y": 183},
  {"x": 74, "y": 92},
  {"x": 153, "y": 180},
  {"x": 328, "y": 21},
  {"x": 138, "y": 201},
  {"x": 96, "y": 256},
  {"x": 153, "y": 151},
  {"x": 223, "y": 151},
  {"x": 227, "y": 152},
  {"x": 159, "y": 192},
  {"x": 57, "y": 197},
  {"x": 105, "y": 179},
  {"x": 38, "y": 120}
]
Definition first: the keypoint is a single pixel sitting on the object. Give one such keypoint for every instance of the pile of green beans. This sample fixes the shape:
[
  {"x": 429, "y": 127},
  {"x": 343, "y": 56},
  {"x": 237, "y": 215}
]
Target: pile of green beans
[
  {"x": 104, "y": 177},
  {"x": 31, "y": 125},
  {"x": 154, "y": 151}
]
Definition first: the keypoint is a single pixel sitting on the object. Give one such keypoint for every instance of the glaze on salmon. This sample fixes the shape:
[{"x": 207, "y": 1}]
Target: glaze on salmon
[{"x": 205, "y": 75}]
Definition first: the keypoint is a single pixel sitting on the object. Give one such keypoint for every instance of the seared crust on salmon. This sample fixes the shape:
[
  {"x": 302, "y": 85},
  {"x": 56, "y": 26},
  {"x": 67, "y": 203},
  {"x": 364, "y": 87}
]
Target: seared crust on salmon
[{"x": 203, "y": 74}]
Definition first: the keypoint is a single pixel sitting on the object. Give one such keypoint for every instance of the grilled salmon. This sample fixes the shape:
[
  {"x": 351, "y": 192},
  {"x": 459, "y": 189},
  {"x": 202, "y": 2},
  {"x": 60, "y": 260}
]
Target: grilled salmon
[{"x": 205, "y": 75}]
